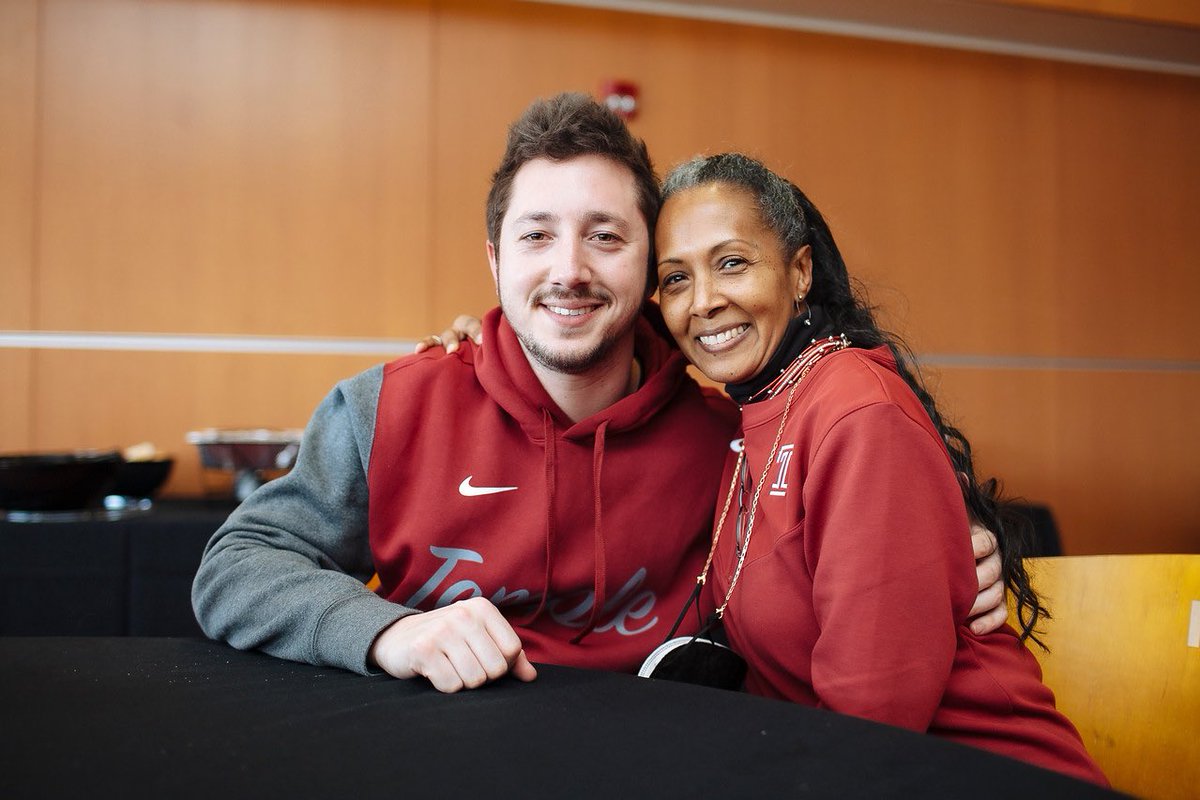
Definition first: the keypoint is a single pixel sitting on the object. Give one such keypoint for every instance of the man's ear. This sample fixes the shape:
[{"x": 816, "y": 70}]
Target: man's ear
[{"x": 492, "y": 263}]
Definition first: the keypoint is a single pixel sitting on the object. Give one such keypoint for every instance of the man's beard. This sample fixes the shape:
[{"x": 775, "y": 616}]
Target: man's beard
[
  {"x": 568, "y": 363},
  {"x": 565, "y": 358}
]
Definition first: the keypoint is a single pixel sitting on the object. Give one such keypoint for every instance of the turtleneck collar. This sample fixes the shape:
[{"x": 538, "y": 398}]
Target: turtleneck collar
[{"x": 801, "y": 332}]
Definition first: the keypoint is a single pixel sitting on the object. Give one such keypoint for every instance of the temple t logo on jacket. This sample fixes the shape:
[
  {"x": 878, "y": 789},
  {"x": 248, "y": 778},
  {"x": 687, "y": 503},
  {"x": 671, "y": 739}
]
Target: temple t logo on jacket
[
  {"x": 625, "y": 612},
  {"x": 782, "y": 459}
]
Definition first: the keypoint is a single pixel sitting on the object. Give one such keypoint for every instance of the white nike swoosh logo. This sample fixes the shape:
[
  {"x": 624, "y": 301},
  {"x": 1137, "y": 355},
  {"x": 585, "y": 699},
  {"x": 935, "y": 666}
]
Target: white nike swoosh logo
[{"x": 467, "y": 490}]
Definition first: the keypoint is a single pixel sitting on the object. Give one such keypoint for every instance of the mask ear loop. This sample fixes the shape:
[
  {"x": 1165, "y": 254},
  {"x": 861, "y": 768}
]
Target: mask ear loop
[
  {"x": 702, "y": 626},
  {"x": 691, "y": 601}
]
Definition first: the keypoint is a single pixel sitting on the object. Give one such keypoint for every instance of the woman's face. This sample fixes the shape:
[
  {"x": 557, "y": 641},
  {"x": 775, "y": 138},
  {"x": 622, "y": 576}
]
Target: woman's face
[{"x": 726, "y": 288}]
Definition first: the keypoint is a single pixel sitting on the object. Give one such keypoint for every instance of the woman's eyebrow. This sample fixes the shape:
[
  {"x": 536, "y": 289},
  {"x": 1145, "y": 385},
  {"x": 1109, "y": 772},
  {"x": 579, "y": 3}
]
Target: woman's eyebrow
[{"x": 718, "y": 246}]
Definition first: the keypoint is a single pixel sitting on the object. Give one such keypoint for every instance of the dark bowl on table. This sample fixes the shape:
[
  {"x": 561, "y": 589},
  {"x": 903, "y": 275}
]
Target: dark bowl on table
[
  {"x": 56, "y": 481},
  {"x": 141, "y": 478}
]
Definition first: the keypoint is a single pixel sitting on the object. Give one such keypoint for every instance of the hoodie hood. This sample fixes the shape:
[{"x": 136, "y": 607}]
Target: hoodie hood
[{"x": 506, "y": 375}]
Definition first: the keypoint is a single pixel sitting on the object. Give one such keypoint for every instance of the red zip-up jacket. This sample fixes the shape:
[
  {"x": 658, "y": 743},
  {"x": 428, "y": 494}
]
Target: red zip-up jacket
[{"x": 587, "y": 535}]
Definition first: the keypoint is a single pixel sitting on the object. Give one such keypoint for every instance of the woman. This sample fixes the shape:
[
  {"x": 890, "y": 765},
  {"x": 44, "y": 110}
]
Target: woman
[{"x": 838, "y": 562}]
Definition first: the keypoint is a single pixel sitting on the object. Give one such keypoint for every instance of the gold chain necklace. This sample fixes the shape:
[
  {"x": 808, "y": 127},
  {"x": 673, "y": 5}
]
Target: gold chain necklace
[{"x": 794, "y": 374}]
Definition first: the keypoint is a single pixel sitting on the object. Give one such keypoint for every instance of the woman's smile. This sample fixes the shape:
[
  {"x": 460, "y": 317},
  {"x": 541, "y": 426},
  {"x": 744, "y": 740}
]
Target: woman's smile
[{"x": 724, "y": 339}]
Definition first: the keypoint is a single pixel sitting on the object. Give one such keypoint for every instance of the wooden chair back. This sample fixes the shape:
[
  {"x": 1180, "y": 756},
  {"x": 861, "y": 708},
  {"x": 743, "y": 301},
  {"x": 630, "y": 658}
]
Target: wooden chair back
[{"x": 1124, "y": 664}]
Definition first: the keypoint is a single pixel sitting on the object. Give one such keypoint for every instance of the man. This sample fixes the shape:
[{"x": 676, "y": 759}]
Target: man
[{"x": 545, "y": 497}]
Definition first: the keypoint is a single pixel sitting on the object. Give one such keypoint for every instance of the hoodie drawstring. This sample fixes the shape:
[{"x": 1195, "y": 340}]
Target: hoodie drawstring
[
  {"x": 551, "y": 457},
  {"x": 599, "y": 596}
]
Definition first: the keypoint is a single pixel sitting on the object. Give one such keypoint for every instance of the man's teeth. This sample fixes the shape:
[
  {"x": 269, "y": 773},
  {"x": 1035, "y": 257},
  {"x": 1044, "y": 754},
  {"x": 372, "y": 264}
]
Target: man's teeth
[
  {"x": 568, "y": 312},
  {"x": 722, "y": 337}
]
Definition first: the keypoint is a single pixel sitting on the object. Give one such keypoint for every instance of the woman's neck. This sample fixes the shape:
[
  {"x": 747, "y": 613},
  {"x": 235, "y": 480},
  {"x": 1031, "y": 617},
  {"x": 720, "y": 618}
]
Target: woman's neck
[{"x": 811, "y": 325}]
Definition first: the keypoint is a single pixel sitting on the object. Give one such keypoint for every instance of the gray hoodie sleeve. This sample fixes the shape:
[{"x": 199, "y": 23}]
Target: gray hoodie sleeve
[{"x": 285, "y": 573}]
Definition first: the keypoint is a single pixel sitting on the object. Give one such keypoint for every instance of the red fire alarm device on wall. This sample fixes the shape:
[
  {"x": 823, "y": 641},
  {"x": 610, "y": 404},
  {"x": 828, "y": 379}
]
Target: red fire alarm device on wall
[{"x": 621, "y": 97}]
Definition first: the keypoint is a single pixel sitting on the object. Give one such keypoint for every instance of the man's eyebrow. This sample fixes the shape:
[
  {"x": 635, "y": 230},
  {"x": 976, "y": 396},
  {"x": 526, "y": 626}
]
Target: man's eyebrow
[
  {"x": 535, "y": 216},
  {"x": 604, "y": 217},
  {"x": 589, "y": 218}
]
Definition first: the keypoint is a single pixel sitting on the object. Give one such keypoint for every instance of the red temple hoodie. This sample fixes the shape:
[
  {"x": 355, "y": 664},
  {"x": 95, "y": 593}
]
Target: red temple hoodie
[{"x": 588, "y": 535}]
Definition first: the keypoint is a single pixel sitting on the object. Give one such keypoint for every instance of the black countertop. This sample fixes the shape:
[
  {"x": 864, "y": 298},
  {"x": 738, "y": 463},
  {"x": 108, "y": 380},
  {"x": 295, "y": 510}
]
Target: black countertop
[{"x": 100, "y": 576}]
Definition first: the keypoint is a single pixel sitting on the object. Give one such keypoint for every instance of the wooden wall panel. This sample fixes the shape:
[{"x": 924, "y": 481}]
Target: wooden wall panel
[
  {"x": 250, "y": 167},
  {"x": 1113, "y": 453},
  {"x": 1171, "y": 12},
  {"x": 18, "y": 130},
  {"x": 16, "y": 401},
  {"x": 18, "y": 142},
  {"x": 1125, "y": 217},
  {"x": 132, "y": 397}
]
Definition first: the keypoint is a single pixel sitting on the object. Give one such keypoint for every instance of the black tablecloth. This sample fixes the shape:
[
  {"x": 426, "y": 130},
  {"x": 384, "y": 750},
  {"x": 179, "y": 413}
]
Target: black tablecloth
[
  {"x": 136, "y": 717},
  {"x": 106, "y": 577}
]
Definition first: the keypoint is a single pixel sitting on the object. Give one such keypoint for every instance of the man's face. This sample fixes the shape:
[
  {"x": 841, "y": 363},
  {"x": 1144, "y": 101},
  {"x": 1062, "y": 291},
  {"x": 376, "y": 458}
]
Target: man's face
[{"x": 570, "y": 266}]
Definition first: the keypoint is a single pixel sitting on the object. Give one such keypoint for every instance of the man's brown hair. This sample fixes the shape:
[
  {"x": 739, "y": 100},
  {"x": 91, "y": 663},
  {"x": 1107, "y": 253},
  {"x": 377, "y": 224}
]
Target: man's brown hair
[{"x": 566, "y": 126}]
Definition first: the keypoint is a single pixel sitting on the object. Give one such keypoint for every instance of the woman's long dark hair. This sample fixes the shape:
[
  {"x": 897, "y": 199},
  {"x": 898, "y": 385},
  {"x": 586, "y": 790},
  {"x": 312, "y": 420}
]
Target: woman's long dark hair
[{"x": 797, "y": 222}]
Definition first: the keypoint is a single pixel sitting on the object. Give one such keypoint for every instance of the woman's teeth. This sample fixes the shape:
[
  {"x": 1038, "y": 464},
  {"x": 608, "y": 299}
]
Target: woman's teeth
[{"x": 724, "y": 336}]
